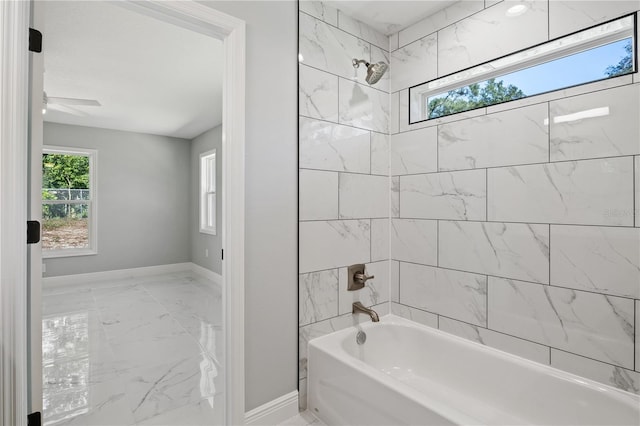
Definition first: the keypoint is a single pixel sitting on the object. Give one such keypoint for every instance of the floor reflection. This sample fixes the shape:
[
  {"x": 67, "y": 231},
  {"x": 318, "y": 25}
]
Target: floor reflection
[{"x": 134, "y": 351}]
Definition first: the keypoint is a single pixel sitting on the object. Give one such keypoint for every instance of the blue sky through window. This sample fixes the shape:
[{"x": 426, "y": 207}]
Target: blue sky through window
[{"x": 579, "y": 68}]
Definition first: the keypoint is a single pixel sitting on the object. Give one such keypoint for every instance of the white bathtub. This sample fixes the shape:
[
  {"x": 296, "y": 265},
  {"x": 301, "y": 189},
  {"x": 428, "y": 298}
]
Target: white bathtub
[{"x": 409, "y": 374}]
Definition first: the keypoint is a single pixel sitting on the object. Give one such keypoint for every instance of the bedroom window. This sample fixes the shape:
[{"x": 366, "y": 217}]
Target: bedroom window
[
  {"x": 597, "y": 53},
  {"x": 68, "y": 202},
  {"x": 208, "y": 192}
]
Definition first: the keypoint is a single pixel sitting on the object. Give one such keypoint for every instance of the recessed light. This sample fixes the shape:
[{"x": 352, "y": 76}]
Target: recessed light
[{"x": 516, "y": 10}]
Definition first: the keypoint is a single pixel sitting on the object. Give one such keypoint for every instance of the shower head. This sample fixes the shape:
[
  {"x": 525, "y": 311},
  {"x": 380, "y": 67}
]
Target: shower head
[{"x": 374, "y": 71}]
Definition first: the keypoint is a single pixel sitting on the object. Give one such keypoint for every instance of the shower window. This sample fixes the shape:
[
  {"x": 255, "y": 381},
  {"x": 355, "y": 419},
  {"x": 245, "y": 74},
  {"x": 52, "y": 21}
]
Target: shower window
[
  {"x": 597, "y": 53},
  {"x": 68, "y": 202},
  {"x": 208, "y": 192}
]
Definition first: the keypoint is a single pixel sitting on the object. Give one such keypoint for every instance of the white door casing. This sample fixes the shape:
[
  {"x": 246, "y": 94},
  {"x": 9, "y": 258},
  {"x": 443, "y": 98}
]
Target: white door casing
[
  {"x": 14, "y": 17},
  {"x": 14, "y": 73}
]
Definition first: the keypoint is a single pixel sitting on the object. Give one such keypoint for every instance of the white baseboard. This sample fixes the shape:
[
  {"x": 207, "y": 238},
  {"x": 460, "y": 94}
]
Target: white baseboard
[
  {"x": 206, "y": 273},
  {"x": 69, "y": 280},
  {"x": 274, "y": 412}
]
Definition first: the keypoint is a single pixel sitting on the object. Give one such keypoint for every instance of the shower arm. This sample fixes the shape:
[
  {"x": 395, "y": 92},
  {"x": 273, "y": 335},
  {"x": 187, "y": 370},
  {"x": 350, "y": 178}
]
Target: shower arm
[{"x": 356, "y": 62}]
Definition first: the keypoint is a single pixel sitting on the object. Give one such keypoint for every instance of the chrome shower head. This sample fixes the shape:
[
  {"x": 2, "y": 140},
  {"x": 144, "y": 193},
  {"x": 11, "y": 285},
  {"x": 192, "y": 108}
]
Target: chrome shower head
[{"x": 374, "y": 71}]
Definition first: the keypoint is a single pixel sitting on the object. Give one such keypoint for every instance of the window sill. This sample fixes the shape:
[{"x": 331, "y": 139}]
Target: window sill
[
  {"x": 208, "y": 231},
  {"x": 67, "y": 253}
]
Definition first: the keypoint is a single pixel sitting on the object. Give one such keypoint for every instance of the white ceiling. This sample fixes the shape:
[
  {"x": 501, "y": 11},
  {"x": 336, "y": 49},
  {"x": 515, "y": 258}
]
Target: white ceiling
[
  {"x": 388, "y": 16},
  {"x": 150, "y": 76}
]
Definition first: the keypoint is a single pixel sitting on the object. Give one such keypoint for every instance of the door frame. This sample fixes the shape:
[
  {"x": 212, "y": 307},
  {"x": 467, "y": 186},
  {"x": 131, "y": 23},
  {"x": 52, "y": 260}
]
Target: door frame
[{"x": 14, "y": 103}]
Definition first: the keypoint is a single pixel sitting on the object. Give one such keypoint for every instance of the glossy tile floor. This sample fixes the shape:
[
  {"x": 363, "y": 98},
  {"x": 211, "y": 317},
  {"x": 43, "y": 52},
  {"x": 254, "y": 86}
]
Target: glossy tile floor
[
  {"x": 304, "y": 418},
  {"x": 142, "y": 351}
]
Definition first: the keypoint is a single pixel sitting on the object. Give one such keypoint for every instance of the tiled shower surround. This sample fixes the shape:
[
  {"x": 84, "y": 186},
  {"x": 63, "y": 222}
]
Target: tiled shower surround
[{"x": 500, "y": 225}]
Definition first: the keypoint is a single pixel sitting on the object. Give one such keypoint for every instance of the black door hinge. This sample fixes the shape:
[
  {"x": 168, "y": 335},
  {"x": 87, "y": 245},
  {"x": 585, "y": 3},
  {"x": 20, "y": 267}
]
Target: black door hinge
[
  {"x": 34, "y": 419},
  {"x": 33, "y": 232},
  {"x": 35, "y": 40},
  {"x": 222, "y": 254}
]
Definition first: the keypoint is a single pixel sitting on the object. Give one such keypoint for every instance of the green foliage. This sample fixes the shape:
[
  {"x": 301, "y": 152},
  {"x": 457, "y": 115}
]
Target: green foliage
[
  {"x": 473, "y": 96},
  {"x": 65, "y": 171},
  {"x": 625, "y": 65}
]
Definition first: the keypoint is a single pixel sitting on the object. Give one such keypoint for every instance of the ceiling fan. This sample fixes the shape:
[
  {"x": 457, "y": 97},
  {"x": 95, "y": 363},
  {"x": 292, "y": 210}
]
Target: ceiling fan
[{"x": 67, "y": 105}]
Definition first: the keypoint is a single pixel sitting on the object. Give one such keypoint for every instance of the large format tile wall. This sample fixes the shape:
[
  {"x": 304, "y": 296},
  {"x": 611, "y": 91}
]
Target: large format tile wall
[
  {"x": 498, "y": 225},
  {"x": 510, "y": 227},
  {"x": 344, "y": 172}
]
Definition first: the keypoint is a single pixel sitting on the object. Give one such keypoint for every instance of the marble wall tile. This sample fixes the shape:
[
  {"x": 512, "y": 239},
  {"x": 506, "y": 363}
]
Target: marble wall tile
[
  {"x": 330, "y": 49},
  {"x": 395, "y": 197},
  {"x": 320, "y": 10},
  {"x": 318, "y": 195},
  {"x": 438, "y": 20},
  {"x": 328, "y": 146},
  {"x": 363, "y": 196},
  {"x": 375, "y": 291},
  {"x": 379, "y": 239},
  {"x": 567, "y": 16},
  {"x": 379, "y": 154},
  {"x": 318, "y": 93},
  {"x": 588, "y": 324},
  {"x": 511, "y": 137},
  {"x": 381, "y": 55},
  {"x": 414, "y": 63},
  {"x": 450, "y": 195},
  {"x": 414, "y": 241},
  {"x": 318, "y": 296},
  {"x": 454, "y": 294},
  {"x": 394, "y": 280},
  {"x": 599, "y": 124},
  {"x": 362, "y": 30},
  {"x": 302, "y": 395},
  {"x": 489, "y": 34},
  {"x": 608, "y": 374},
  {"x": 414, "y": 152},
  {"x": 511, "y": 250},
  {"x": 587, "y": 192},
  {"x": 364, "y": 107},
  {"x": 394, "y": 113},
  {"x": 413, "y": 314},
  {"x": 332, "y": 244},
  {"x": 393, "y": 42},
  {"x": 600, "y": 259},
  {"x": 513, "y": 345}
]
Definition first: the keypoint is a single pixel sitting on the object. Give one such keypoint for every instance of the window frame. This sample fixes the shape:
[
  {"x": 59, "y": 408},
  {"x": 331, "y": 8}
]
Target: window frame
[
  {"x": 208, "y": 171},
  {"x": 92, "y": 202},
  {"x": 418, "y": 98}
]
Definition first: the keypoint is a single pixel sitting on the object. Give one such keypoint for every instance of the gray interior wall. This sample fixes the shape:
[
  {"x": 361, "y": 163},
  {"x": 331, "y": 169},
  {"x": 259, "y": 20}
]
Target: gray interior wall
[
  {"x": 146, "y": 214},
  {"x": 271, "y": 197},
  {"x": 200, "y": 242}
]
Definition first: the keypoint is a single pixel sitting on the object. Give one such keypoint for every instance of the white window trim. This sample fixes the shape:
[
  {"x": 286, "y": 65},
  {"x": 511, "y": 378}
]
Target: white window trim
[
  {"x": 588, "y": 38},
  {"x": 93, "y": 202},
  {"x": 205, "y": 214}
]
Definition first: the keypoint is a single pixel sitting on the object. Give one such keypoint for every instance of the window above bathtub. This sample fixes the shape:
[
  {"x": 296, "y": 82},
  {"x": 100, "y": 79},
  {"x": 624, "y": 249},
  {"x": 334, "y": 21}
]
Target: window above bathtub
[{"x": 597, "y": 53}]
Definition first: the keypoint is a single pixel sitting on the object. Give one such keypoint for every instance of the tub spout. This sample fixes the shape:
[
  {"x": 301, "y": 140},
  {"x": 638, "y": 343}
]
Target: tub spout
[{"x": 359, "y": 307}]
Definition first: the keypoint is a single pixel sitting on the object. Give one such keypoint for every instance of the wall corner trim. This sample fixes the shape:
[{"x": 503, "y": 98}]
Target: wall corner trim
[{"x": 274, "y": 412}]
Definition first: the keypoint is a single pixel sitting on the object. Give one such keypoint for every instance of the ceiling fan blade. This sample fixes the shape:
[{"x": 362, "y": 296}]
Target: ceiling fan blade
[
  {"x": 72, "y": 101},
  {"x": 67, "y": 110}
]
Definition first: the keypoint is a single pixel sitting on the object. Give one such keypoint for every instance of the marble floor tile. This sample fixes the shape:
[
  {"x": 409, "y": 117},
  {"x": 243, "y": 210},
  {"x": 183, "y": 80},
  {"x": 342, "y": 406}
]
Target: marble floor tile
[{"x": 143, "y": 350}]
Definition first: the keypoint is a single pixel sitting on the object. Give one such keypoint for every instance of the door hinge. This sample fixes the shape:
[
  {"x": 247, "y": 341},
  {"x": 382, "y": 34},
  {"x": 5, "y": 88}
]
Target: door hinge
[
  {"x": 33, "y": 232},
  {"x": 222, "y": 254},
  {"x": 34, "y": 419},
  {"x": 35, "y": 40}
]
